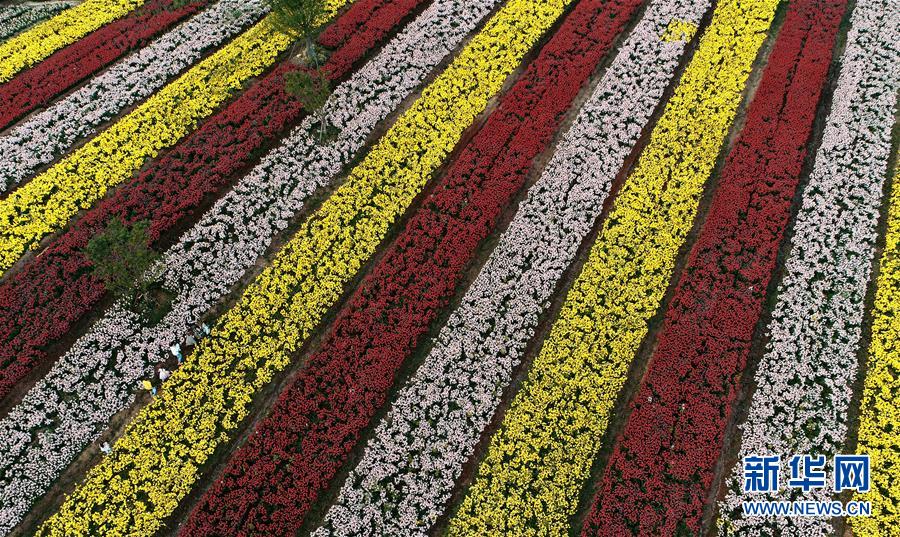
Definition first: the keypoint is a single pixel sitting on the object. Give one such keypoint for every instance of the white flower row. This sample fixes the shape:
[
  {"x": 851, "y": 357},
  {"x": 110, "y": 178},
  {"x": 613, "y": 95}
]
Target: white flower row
[
  {"x": 806, "y": 376},
  {"x": 14, "y": 19},
  {"x": 98, "y": 377},
  {"x": 408, "y": 469},
  {"x": 45, "y": 136},
  {"x": 10, "y": 13}
]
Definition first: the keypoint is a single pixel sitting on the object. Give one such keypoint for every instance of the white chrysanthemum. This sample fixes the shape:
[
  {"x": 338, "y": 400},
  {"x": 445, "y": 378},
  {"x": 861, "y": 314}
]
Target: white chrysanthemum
[
  {"x": 409, "y": 467},
  {"x": 51, "y": 133},
  {"x": 98, "y": 376},
  {"x": 806, "y": 376}
]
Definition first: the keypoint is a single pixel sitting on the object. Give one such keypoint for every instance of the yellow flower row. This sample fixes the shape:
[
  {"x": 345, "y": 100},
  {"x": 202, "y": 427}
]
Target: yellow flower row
[
  {"x": 157, "y": 461},
  {"x": 32, "y": 46},
  {"x": 879, "y": 427},
  {"x": 536, "y": 465},
  {"x": 679, "y": 30},
  {"x": 46, "y": 203}
]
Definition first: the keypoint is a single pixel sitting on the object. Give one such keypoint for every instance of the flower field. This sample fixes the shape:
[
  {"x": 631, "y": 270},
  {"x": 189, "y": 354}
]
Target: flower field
[
  {"x": 529, "y": 267},
  {"x": 15, "y": 19},
  {"x": 679, "y": 414}
]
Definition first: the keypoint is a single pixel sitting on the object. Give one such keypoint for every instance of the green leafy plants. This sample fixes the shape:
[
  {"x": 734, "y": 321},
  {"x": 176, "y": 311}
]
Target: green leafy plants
[{"x": 121, "y": 259}]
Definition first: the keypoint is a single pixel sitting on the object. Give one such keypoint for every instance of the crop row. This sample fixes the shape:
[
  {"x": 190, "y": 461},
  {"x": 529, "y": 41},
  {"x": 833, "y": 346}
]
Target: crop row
[
  {"x": 804, "y": 383},
  {"x": 51, "y": 292},
  {"x": 97, "y": 378},
  {"x": 356, "y": 21},
  {"x": 355, "y": 29},
  {"x": 56, "y": 289},
  {"x": 537, "y": 463},
  {"x": 159, "y": 457},
  {"x": 35, "y": 44},
  {"x": 46, "y": 203},
  {"x": 878, "y": 437},
  {"x": 42, "y": 138},
  {"x": 408, "y": 470},
  {"x": 36, "y": 87},
  {"x": 113, "y": 354},
  {"x": 16, "y": 18},
  {"x": 271, "y": 482},
  {"x": 661, "y": 469}
]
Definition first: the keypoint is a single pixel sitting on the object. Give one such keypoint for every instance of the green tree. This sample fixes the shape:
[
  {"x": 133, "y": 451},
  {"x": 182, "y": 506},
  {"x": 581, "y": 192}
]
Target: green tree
[
  {"x": 121, "y": 259},
  {"x": 311, "y": 89},
  {"x": 298, "y": 19}
]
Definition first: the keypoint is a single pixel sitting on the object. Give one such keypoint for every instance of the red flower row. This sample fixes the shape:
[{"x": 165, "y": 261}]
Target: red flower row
[
  {"x": 661, "y": 469},
  {"x": 356, "y": 20},
  {"x": 273, "y": 480},
  {"x": 36, "y": 87},
  {"x": 53, "y": 291},
  {"x": 355, "y": 29}
]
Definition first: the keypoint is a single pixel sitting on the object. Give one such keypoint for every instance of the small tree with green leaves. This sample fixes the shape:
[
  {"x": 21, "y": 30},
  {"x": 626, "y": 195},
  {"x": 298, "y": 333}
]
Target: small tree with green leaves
[
  {"x": 121, "y": 259},
  {"x": 298, "y": 19},
  {"x": 311, "y": 89}
]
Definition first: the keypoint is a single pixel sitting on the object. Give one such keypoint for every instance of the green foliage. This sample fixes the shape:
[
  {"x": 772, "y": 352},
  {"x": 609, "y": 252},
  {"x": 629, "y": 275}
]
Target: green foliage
[
  {"x": 121, "y": 258},
  {"x": 297, "y": 18},
  {"x": 314, "y": 55},
  {"x": 311, "y": 88}
]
